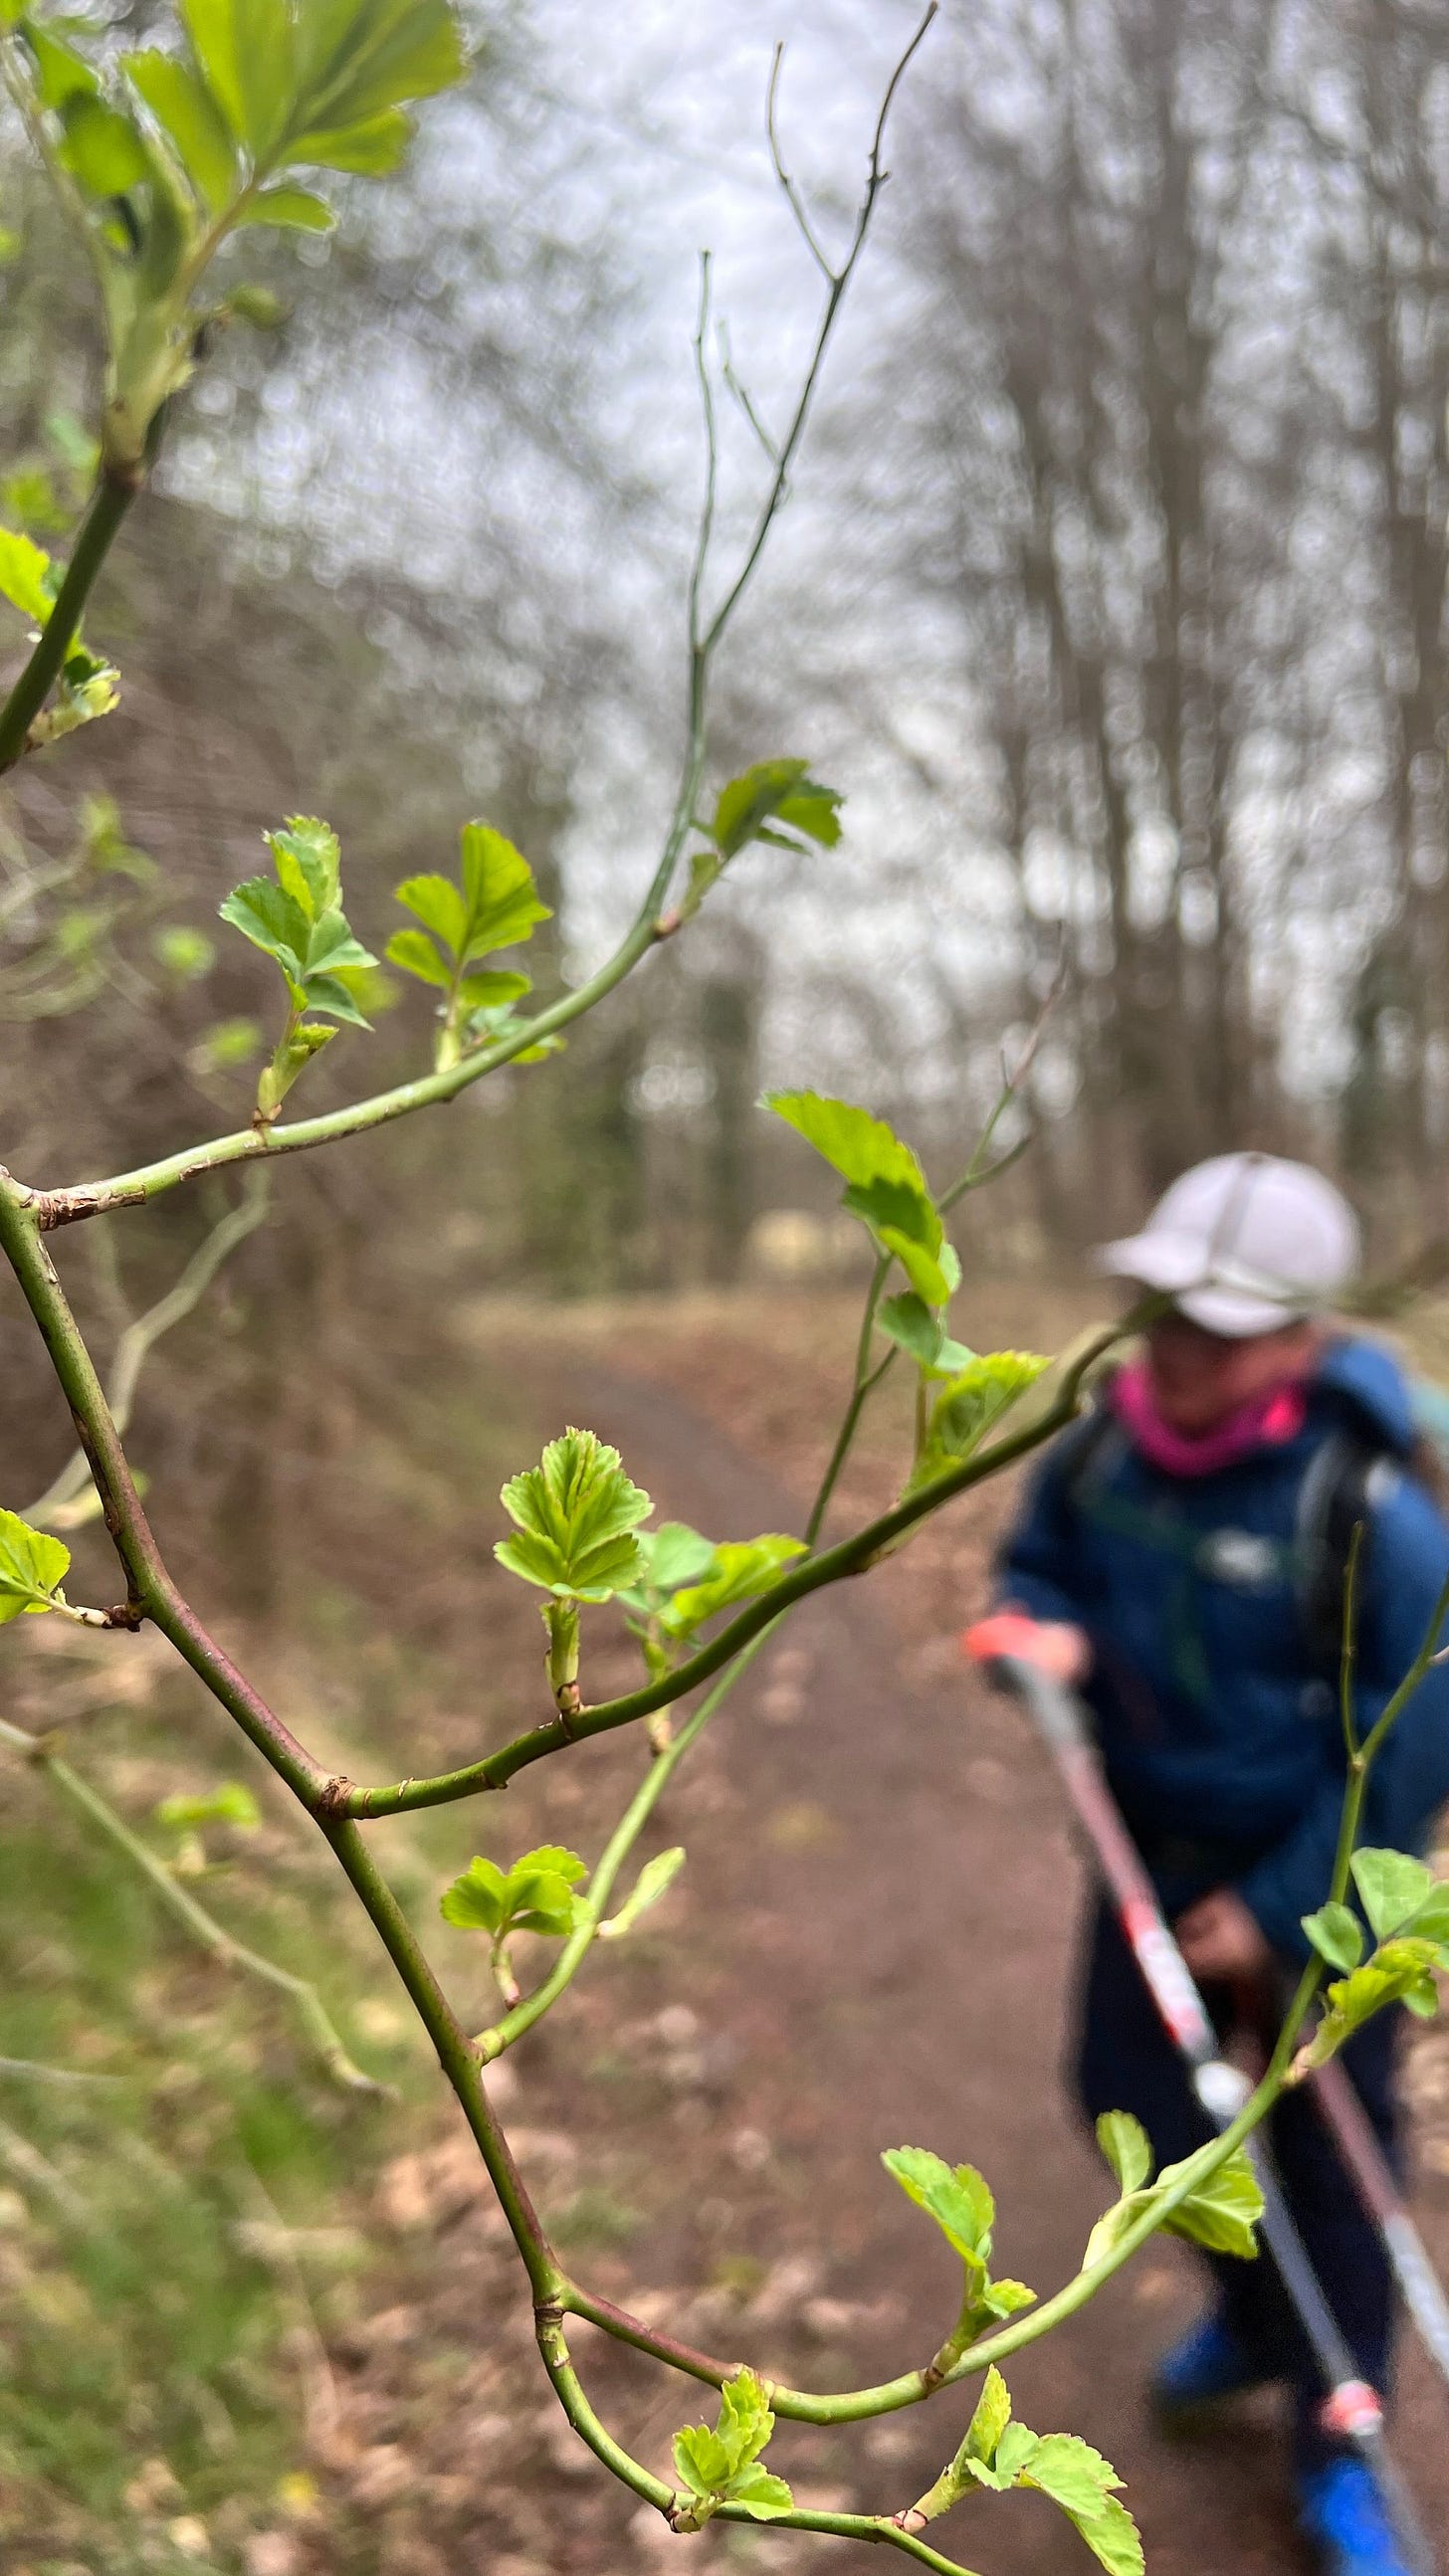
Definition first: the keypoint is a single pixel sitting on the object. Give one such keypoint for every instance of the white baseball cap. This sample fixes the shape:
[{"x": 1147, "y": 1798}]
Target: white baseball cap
[{"x": 1243, "y": 1244}]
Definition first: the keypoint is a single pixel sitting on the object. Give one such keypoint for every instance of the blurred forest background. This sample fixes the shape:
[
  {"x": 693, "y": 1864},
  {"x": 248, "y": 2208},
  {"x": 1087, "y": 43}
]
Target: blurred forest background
[{"x": 1112, "y": 598}]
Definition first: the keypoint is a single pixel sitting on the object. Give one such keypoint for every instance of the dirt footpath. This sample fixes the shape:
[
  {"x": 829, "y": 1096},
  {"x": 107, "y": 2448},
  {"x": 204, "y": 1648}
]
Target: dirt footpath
[{"x": 882, "y": 1905}]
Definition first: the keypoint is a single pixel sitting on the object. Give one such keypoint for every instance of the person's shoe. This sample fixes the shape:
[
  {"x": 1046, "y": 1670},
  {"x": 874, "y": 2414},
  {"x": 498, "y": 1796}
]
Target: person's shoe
[
  {"x": 1341, "y": 2509},
  {"x": 1208, "y": 2363}
]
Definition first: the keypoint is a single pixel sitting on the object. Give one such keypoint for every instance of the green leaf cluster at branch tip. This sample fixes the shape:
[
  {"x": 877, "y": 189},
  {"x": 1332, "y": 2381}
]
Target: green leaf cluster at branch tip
[
  {"x": 684, "y": 1579},
  {"x": 296, "y": 918},
  {"x": 885, "y": 1186},
  {"x": 961, "y": 2203},
  {"x": 999, "y": 2453},
  {"x": 723, "y": 2466},
  {"x": 778, "y": 802},
  {"x": 494, "y": 906},
  {"x": 576, "y": 1513},
  {"x": 535, "y": 1895},
  {"x": 159, "y": 155},
  {"x": 1407, "y": 1910},
  {"x": 1221, "y": 2213}
]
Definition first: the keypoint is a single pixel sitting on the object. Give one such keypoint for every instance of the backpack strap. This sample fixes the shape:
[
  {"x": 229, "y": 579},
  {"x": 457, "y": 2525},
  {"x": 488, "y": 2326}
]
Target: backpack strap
[{"x": 1347, "y": 1476}]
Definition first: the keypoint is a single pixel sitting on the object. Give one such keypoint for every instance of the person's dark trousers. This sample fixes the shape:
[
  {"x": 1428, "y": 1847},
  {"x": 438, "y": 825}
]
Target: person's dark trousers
[{"x": 1126, "y": 2062}]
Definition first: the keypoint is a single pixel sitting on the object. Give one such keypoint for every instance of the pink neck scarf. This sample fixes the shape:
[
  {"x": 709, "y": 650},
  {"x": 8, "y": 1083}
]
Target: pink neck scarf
[{"x": 1265, "y": 1421}]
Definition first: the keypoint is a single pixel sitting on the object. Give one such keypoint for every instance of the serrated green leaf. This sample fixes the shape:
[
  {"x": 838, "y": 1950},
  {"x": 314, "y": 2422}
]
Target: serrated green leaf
[
  {"x": 26, "y": 577},
  {"x": 956, "y": 2196},
  {"x": 228, "y": 1804},
  {"x": 745, "y": 2420},
  {"x": 437, "y": 903},
  {"x": 1074, "y": 2475},
  {"x": 308, "y": 861},
  {"x": 1400, "y": 1971},
  {"x": 360, "y": 58},
  {"x": 373, "y": 147},
  {"x": 415, "y": 953},
  {"x": 739, "y": 1570},
  {"x": 702, "y": 2461},
  {"x": 187, "y": 114},
  {"x": 246, "y": 51},
  {"x": 1337, "y": 1935},
  {"x": 654, "y": 1879},
  {"x": 906, "y": 1223},
  {"x": 1128, "y": 2150},
  {"x": 1014, "y": 2452},
  {"x": 492, "y": 988},
  {"x": 576, "y": 1512},
  {"x": 1223, "y": 2212},
  {"x": 32, "y": 1566},
  {"x": 271, "y": 920},
  {"x": 993, "y": 2414},
  {"x": 970, "y": 1405},
  {"x": 1391, "y": 1888},
  {"x": 861, "y": 1148},
  {"x": 476, "y": 1900},
  {"x": 1005, "y": 2298},
  {"x": 102, "y": 149},
  {"x": 501, "y": 904},
  {"x": 291, "y": 209},
  {"x": 763, "y": 2496},
  {"x": 908, "y": 1321},
  {"x": 1113, "y": 2537},
  {"x": 673, "y": 1554},
  {"x": 775, "y": 793}
]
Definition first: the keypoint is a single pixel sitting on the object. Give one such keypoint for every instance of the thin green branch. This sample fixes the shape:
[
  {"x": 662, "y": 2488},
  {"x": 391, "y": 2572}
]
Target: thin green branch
[
  {"x": 850, "y": 1556},
  {"x": 97, "y": 532},
  {"x": 492, "y": 2043},
  {"x": 56, "y": 1507},
  {"x": 178, "y": 1900}
]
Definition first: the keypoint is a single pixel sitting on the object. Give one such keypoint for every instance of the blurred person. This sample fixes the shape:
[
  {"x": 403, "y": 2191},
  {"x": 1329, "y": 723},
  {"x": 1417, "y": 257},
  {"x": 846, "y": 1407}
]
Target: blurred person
[{"x": 1181, "y": 1561}]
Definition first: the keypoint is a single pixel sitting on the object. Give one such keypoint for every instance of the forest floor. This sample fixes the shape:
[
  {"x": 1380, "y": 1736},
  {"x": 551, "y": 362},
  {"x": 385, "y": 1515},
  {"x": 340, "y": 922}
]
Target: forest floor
[{"x": 870, "y": 1944}]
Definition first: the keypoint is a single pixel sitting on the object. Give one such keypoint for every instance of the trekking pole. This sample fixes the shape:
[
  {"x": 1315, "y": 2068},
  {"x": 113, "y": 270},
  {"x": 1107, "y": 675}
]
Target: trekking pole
[
  {"x": 1351, "y": 2409},
  {"x": 1353, "y": 2134}
]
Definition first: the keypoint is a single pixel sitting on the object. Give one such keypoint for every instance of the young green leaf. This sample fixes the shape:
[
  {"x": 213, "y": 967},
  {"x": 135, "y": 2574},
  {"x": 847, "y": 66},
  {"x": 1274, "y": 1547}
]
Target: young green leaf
[
  {"x": 1222, "y": 2212},
  {"x": 101, "y": 148},
  {"x": 1392, "y": 1887},
  {"x": 993, "y": 2414},
  {"x": 722, "y": 2467},
  {"x": 969, "y": 1406},
  {"x": 671, "y": 1555},
  {"x": 575, "y": 1513},
  {"x": 32, "y": 1567},
  {"x": 738, "y": 1570},
  {"x": 535, "y": 1895},
  {"x": 187, "y": 114},
  {"x": 1337, "y": 1935},
  {"x": 776, "y": 801},
  {"x": 654, "y": 1879},
  {"x": 954, "y": 2195},
  {"x": 1125, "y": 2144},
  {"x": 908, "y": 1321},
  {"x": 228, "y": 1804},
  {"x": 1400, "y": 1971},
  {"x": 26, "y": 577},
  {"x": 291, "y": 209},
  {"x": 308, "y": 859},
  {"x": 885, "y": 1186}
]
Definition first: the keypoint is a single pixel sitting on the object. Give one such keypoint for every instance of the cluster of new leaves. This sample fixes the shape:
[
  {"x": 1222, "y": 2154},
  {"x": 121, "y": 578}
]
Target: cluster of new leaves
[
  {"x": 723, "y": 2466},
  {"x": 575, "y": 1514},
  {"x": 495, "y": 905},
  {"x": 960, "y": 2202},
  {"x": 685, "y": 1580},
  {"x": 33, "y": 1565},
  {"x": 968, "y": 1406},
  {"x": 88, "y": 686},
  {"x": 186, "y": 1819},
  {"x": 777, "y": 801},
  {"x": 296, "y": 918},
  {"x": 164, "y": 153},
  {"x": 1407, "y": 1911},
  {"x": 542, "y": 1893},
  {"x": 1220, "y": 2213},
  {"x": 999, "y": 2453}
]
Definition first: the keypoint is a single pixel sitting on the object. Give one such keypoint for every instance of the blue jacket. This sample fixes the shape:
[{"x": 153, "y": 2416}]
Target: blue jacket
[{"x": 1216, "y": 1710}]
